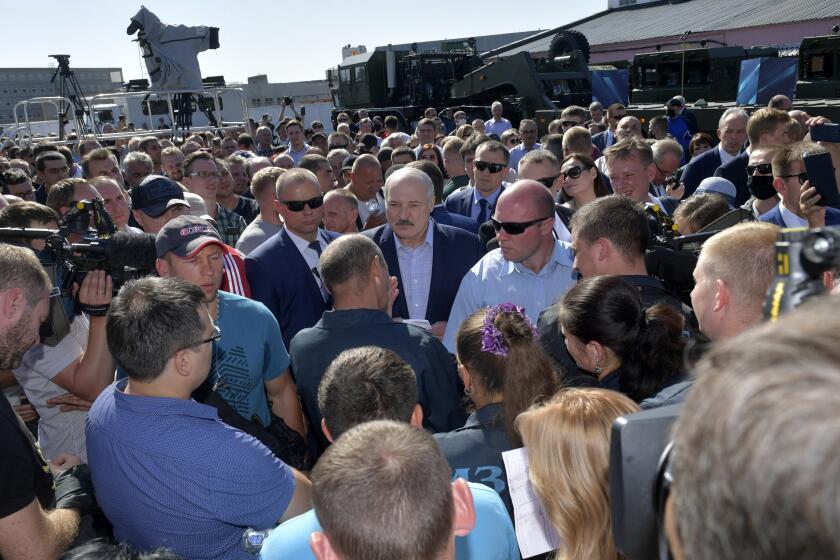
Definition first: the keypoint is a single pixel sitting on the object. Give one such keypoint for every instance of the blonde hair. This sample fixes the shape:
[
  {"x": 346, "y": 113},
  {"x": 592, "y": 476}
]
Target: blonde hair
[{"x": 568, "y": 441}]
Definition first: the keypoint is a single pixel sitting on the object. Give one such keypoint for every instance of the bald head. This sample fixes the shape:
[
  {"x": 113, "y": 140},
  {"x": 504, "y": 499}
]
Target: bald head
[
  {"x": 365, "y": 161},
  {"x": 528, "y": 193},
  {"x": 627, "y": 127}
]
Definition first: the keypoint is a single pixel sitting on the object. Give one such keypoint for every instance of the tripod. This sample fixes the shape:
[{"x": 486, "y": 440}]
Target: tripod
[
  {"x": 68, "y": 87},
  {"x": 182, "y": 106}
]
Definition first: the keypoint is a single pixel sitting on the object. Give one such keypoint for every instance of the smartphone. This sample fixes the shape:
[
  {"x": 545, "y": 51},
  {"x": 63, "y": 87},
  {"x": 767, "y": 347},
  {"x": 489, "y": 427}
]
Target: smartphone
[
  {"x": 303, "y": 111},
  {"x": 820, "y": 171},
  {"x": 287, "y": 100},
  {"x": 828, "y": 132}
]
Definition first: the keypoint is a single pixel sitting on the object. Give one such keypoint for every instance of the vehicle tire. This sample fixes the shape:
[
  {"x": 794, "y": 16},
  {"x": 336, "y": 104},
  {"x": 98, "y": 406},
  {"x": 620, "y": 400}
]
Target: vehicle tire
[{"x": 567, "y": 41}]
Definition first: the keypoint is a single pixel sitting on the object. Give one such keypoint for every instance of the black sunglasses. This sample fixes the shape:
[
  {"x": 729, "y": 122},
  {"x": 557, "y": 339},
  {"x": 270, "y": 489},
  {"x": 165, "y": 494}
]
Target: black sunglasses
[
  {"x": 763, "y": 168},
  {"x": 487, "y": 166},
  {"x": 515, "y": 228},
  {"x": 332, "y": 147},
  {"x": 803, "y": 177},
  {"x": 567, "y": 124},
  {"x": 548, "y": 182},
  {"x": 572, "y": 172},
  {"x": 297, "y": 205}
]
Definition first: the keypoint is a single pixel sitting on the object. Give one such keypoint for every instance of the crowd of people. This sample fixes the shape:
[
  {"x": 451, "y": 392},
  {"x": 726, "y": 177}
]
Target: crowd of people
[{"x": 343, "y": 331}]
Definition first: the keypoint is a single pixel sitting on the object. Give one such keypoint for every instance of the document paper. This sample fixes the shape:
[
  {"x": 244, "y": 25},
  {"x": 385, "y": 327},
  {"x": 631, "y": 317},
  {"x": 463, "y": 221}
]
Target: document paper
[{"x": 534, "y": 532}]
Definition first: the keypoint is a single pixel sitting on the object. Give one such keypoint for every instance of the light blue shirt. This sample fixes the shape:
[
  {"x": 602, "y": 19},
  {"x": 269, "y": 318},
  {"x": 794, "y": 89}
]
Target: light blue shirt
[
  {"x": 494, "y": 280},
  {"x": 491, "y": 199},
  {"x": 492, "y": 539},
  {"x": 298, "y": 155},
  {"x": 517, "y": 152},
  {"x": 496, "y": 127},
  {"x": 416, "y": 272}
]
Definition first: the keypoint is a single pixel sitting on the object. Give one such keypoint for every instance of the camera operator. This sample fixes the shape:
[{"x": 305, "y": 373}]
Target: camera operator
[
  {"x": 754, "y": 454},
  {"x": 27, "y": 529}
]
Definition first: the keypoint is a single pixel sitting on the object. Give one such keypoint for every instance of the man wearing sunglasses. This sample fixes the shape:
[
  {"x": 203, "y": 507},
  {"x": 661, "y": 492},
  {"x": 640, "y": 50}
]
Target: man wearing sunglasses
[
  {"x": 763, "y": 195},
  {"x": 531, "y": 268},
  {"x": 167, "y": 471},
  {"x": 285, "y": 271},
  {"x": 428, "y": 259},
  {"x": 490, "y": 167},
  {"x": 615, "y": 113},
  {"x": 790, "y": 180}
]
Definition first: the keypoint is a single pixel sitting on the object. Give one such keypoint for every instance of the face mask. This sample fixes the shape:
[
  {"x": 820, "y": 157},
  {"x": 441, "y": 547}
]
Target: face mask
[
  {"x": 761, "y": 186},
  {"x": 461, "y": 122}
]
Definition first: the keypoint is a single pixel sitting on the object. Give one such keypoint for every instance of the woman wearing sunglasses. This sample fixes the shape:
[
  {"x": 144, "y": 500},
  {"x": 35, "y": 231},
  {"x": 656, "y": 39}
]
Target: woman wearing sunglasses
[{"x": 581, "y": 182}]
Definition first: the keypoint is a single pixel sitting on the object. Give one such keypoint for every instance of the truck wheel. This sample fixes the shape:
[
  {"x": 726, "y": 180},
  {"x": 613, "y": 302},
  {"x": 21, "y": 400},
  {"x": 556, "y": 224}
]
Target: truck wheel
[{"x": 567, "y": 41}]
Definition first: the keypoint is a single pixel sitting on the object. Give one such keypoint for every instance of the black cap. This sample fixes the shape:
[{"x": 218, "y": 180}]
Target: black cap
[
  {"x": 156, "y": 194},
  {"x": 348, "y": 162},
  {"x": 184, "y": 236}
]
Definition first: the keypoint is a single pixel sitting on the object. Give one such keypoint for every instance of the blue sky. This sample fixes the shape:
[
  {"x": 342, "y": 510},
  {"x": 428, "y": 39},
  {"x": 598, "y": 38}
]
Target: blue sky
[{"x": 288, "y": 44}]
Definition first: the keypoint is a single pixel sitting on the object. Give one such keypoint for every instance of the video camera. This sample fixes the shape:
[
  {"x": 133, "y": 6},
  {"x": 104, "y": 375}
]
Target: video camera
[
  {"x": 124, "y": 256},
  {"x": 640, "y": 443}
]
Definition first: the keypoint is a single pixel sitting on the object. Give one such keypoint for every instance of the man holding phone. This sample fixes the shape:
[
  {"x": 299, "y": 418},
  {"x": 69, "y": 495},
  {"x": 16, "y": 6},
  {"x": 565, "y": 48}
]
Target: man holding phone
[{"x": 792, "y": 181}]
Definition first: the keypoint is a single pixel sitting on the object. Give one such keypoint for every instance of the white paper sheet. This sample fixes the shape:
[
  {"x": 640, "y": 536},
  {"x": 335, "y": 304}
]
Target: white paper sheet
[{"x": 534, "y": 532}]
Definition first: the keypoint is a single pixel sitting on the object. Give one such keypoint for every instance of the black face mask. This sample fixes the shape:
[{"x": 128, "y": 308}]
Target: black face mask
[
  {"x": 761, "y": 186},
  {"x": 671, "y": 112}
]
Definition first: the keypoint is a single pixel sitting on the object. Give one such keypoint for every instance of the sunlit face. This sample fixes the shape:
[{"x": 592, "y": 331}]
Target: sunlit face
[
  {"x": 541, "y": 170},
  {"x": 583, "y": 184},
  {"x": 228, "y": 146},
  {"x": 154, "y": 225},
  {"x": 519, "y": 248},
  {"x": 325, "y": 177},
  {"x": 135, "y": 172},
  {"x": 667, "y": 165},
  {"x": 305, "y": 222},
  {"x": 339, "y": 214},
  {"x": 631, "y": 178},
  {"x": 204, "y": 269},
  {"x": 23, "y": 334},
  {"x": 173, "y": 166},
  {"x": 780, "y": 135},
  {"x": 407, "y": 209},
  {"x": 426, "y": 134},
  {"x": 264, "y": 137},
  {"x": 528, "y": 133},
  {"x": 429, "y": 155},
  {"x": 105, "y": 168},
  {"x": 296, "y": 137},
  {"x": 24, "y": 190},
  {"x": 225, "y": 183},
  {"x": 55, "y": 170},
  {"x": 153, "y": 150},
  {"x": 486, "y": 181},
  {"x": 586, "y": 257},
  {"x": 367, "y": 180},
  {"x": 206, "y": 186},
  {"x": 733, "y": 134},
  {"x": 116, "y": 203}
]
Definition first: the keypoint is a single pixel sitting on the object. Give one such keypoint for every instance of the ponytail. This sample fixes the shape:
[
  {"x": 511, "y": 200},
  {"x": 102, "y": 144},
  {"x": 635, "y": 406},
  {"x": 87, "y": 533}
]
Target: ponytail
[{"x": 657, "y": 358}]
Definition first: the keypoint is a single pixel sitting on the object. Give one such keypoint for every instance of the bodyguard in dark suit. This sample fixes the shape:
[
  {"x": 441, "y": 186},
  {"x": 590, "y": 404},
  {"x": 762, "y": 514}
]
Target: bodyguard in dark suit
[
  {"x": 736, "y": 172},
  {"x": 490, "y": 167},
  {"x": 604, "y": 140},
  {"x": 284, "y": 272},
  {"x": 428, "y": 259},
  {"x": 732, "y": 132}
]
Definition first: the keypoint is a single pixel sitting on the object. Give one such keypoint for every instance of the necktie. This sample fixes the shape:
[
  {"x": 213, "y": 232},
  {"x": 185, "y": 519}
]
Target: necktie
[
  {"x": 316, "y": 246},
  {"x": 482, "y": 213}
]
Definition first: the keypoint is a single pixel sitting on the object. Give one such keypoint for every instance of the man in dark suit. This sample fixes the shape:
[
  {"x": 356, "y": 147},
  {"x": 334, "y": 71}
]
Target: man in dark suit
[
  {"x": 789, "y": 180},
  {"x": 284, "y": 272},
  {"x": 766, "y": 126},
  {"x": 615, "y": 113},
  {"x": 732, "y": 132},
  {"x": 428, "y": 259},
  {"x": 490, "y": 167},
  {"x": 439, "y": 213}
]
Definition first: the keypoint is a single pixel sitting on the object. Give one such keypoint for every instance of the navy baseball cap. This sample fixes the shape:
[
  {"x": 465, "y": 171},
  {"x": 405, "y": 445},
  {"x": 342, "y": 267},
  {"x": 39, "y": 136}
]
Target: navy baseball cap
[
  {"x": 156, "y": 194},
  {"x": 185, "y": 236}
]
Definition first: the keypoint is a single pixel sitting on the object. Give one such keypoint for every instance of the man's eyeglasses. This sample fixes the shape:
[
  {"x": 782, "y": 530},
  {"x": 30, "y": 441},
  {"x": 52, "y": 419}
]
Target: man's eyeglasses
[
  {"x": 332, "y": 147},
  {"x": 515, "y": 228},
  {"x": 572, "y": 172},
  {"x": 762, "y": 168},
  {"x": 569, "y": 124},
  {"x": 803, "y": 177},
  {"x": 27, "y": 195},
  {"x": 548, "y": 182},
  {"x": 206, "y": 174},
  {"x": 217, "y": 334},
  {"x": 488, "y": 166},
  {"x": 297, "y": 205}
]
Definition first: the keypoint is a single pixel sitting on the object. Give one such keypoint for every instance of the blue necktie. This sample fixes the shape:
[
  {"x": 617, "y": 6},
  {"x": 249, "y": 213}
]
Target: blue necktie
[{"x": 482, "y": 213}]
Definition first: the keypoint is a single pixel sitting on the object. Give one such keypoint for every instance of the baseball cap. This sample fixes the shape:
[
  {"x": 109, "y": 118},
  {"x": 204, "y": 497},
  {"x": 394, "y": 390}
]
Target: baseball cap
[
  {"x": 348, "y": 162},
  {"x": 156, "y": 194},
  {"x": 674, "y": 102},
  {"x": 184, "y": 236},
  {"x": 718, "y": 185}
]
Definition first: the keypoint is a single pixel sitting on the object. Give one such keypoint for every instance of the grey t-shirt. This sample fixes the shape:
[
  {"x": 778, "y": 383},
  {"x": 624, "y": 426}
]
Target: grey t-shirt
[{"x": 255, "y": 235}]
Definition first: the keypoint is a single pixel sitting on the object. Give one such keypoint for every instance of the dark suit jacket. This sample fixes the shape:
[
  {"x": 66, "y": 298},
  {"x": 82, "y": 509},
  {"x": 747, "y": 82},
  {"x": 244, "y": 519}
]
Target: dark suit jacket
[
  {"x": 460, "y": 202},
  {"x": 699, "y": 168},
  {"x": 691, "y": 119},
  {"x": 282, "y": 281},
  {"x": 454, "y": 253},
  {"x": 443, "y": 216},
  {"x": 774, "y": 216},
  {"x": 600, "y": 140},
  {"x": 736, "y": 172}
]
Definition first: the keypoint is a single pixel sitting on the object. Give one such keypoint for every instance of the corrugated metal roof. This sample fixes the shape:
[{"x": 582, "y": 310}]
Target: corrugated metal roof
[{"x": 666, "y": 20}]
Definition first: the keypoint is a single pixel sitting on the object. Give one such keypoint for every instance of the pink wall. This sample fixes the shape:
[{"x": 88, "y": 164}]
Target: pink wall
[{"x": 789, "y": 33}]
